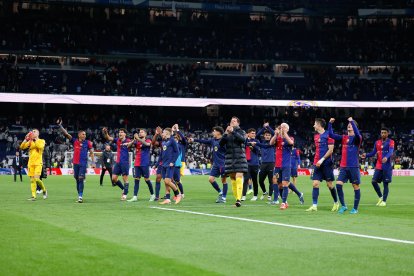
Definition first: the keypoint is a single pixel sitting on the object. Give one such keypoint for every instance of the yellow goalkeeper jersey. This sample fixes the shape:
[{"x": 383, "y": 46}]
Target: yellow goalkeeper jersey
[{"x": 35, "y": 151}]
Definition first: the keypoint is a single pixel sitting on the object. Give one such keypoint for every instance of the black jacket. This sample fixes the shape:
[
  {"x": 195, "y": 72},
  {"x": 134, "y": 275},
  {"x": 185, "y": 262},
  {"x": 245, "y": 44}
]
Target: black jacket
[
  {"x": 15, "y": 166},
  {"x": 235, "y": 151},
  {"x": 104, "y": 159}
]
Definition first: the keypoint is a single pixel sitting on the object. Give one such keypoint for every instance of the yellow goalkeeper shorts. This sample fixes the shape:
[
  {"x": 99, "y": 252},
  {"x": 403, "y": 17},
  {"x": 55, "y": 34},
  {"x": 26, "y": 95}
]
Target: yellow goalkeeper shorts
[
  {"x": 182, "y": 168},
  {"x": 34, "y": 170}
]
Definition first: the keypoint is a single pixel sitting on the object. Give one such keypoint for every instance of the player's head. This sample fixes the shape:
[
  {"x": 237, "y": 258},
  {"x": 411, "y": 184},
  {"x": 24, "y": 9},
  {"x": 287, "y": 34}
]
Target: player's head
[
  {"x": 81, "y": 135},
  {"x": 350, "y": 129},
  {"x": 166, "y": 133},
  {"x": 251, "y": 133},
  {"x": 384, "y": 133},
  {"x": 17, "y": 153},
  {"x": 319, "y": 124},
  {"x": 234, "y": 122},
  {"x": 35, "y": 133},
  {"x": 142, "y": 133},
  {"x": 107, "y": 147},
  {"x": 284, "y": 127},
  {"x": 217, "y": 132},
  {"x": 267, "y": 135},
  {"x": 122, "y": 133}
]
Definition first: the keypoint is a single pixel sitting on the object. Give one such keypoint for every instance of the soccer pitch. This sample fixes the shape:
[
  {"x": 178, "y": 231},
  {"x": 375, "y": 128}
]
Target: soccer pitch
[{"x": 104, "y": 236}]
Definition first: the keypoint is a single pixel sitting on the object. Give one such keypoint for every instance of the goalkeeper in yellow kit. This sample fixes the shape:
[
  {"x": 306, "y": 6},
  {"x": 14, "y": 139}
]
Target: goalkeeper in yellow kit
[{"x": 36, "y": 147}]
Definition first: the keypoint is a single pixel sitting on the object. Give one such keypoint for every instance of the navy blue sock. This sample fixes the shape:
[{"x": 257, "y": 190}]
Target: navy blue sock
[
  {"x": 377, "y": 188},
  {"x": 150, "y": 188},
  {"x": 340, "y": 194},
  {"x": 285, "y": 194},
  {"x": 293, "y": 188},
  {"x": 126, "y": 186},
  {"x": 250, "y": 186},
  {"x": 357, "y": 198},
  {"x": 119, "y": 184},
  {"x": 280, "y": 192},
  {"x": 77, "y": 185},
  {"x": 225, "y": 188},
  {"x": 216, "y": 186},
  {"x": 167, "y": 196},
  {"x": 386, "y": 191},
  {"x": 180, "y": 187},
  {"x": 81, "y": 186},
  {"x": 136, "y": 187},
  {"x": 176, "y": 192},
  {"x": 157, "y": 189},
  {"x": 333, "y": 194},
  {"x": 275, "y": 192},
  {"x": 315, "y": 195}
]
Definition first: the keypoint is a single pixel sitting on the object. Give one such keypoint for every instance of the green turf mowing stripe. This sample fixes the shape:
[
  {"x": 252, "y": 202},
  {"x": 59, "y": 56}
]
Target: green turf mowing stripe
[{"x": 289, "y": 225}]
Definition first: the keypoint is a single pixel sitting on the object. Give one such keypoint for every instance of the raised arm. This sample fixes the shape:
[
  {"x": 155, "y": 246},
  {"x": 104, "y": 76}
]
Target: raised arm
[
  {"x": 106, "y": 135},
  {"x": 155, "y": 141},
  {"x": 183, "y": 139},
  {"x": 358, "y": 137},
  {"x": 331, "y": 133},
  {"x": 65, "y": 132},
  {"x": 239, "y": 137}
]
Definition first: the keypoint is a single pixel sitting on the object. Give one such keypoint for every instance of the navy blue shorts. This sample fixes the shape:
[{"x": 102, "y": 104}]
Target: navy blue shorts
[
  {"x": 79, "y": 171},
  {"x": 282, "y": 174},
  {"x": 121, "y": 169},
  {"x": 177, "y": 174},
  {"x": 351, "y": 174},
  {"x": 382, "y": 176},
  {"x": 217, "y": 171},
  {"x": 294, "y": 171},
  {"x": 143, "y": 171},
  {"x": 168, "y": 172},
  {"x": 324, "y": 172},
  {"x": 159, "y": 169}
]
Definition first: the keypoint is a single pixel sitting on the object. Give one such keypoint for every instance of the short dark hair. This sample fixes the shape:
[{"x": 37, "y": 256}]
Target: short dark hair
[
  {"x": 124, "y": 130},
  {"x": 266, "y": 132},
  {"x": 321, "y": 121},
  {"x": 218, "y": 129},
  {"x": 386, "y": 129},
  {"x": 143, "y": 130},
  {"x": 238, "y": 120},
  {"x": 251, "y": 130}
]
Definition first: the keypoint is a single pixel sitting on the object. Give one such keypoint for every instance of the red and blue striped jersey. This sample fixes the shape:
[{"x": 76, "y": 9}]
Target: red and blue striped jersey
[
  {"x": 122, "y": 151},
  {"x": 295, "y": 158},
  {"x": 142, "y": 153},
  {"x": 322, "y": 141},
  {"x": 383, "y": 149},
  {"x": 80, "y": 151},
  {"x": 283, "y": 152},
  {"x": 350, "y": 146}
]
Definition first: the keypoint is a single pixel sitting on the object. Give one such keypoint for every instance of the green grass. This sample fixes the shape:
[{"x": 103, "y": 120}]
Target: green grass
[{"x": 109, "y": 237}]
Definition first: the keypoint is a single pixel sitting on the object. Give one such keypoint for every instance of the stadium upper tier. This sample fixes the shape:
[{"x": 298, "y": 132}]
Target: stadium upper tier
[{"x": 211, "y": 37}]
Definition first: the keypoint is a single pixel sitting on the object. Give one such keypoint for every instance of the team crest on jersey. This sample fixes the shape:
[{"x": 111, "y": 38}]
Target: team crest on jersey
[
  {"x": 164, "y": 147},
  {"x": 215, "y": 148},
  {"x": 347, "y": 140}
]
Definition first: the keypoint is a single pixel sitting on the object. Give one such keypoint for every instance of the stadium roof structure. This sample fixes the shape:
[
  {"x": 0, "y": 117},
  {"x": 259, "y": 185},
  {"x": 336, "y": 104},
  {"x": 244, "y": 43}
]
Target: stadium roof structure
[{"x": 188, "y": 102}]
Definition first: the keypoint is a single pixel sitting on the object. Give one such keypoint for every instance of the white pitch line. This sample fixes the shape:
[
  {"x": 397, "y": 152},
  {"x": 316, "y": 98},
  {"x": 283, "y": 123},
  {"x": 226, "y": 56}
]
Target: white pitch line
[{"x": 289, "y": 225}]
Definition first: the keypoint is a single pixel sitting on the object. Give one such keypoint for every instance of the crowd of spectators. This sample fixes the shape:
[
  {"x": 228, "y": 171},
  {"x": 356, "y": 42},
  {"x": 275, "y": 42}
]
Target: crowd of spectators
[
  {"x": 218, "y": 38},
  {"x": 198, "y": 81},
  {"x": 198, "y": 156}
]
